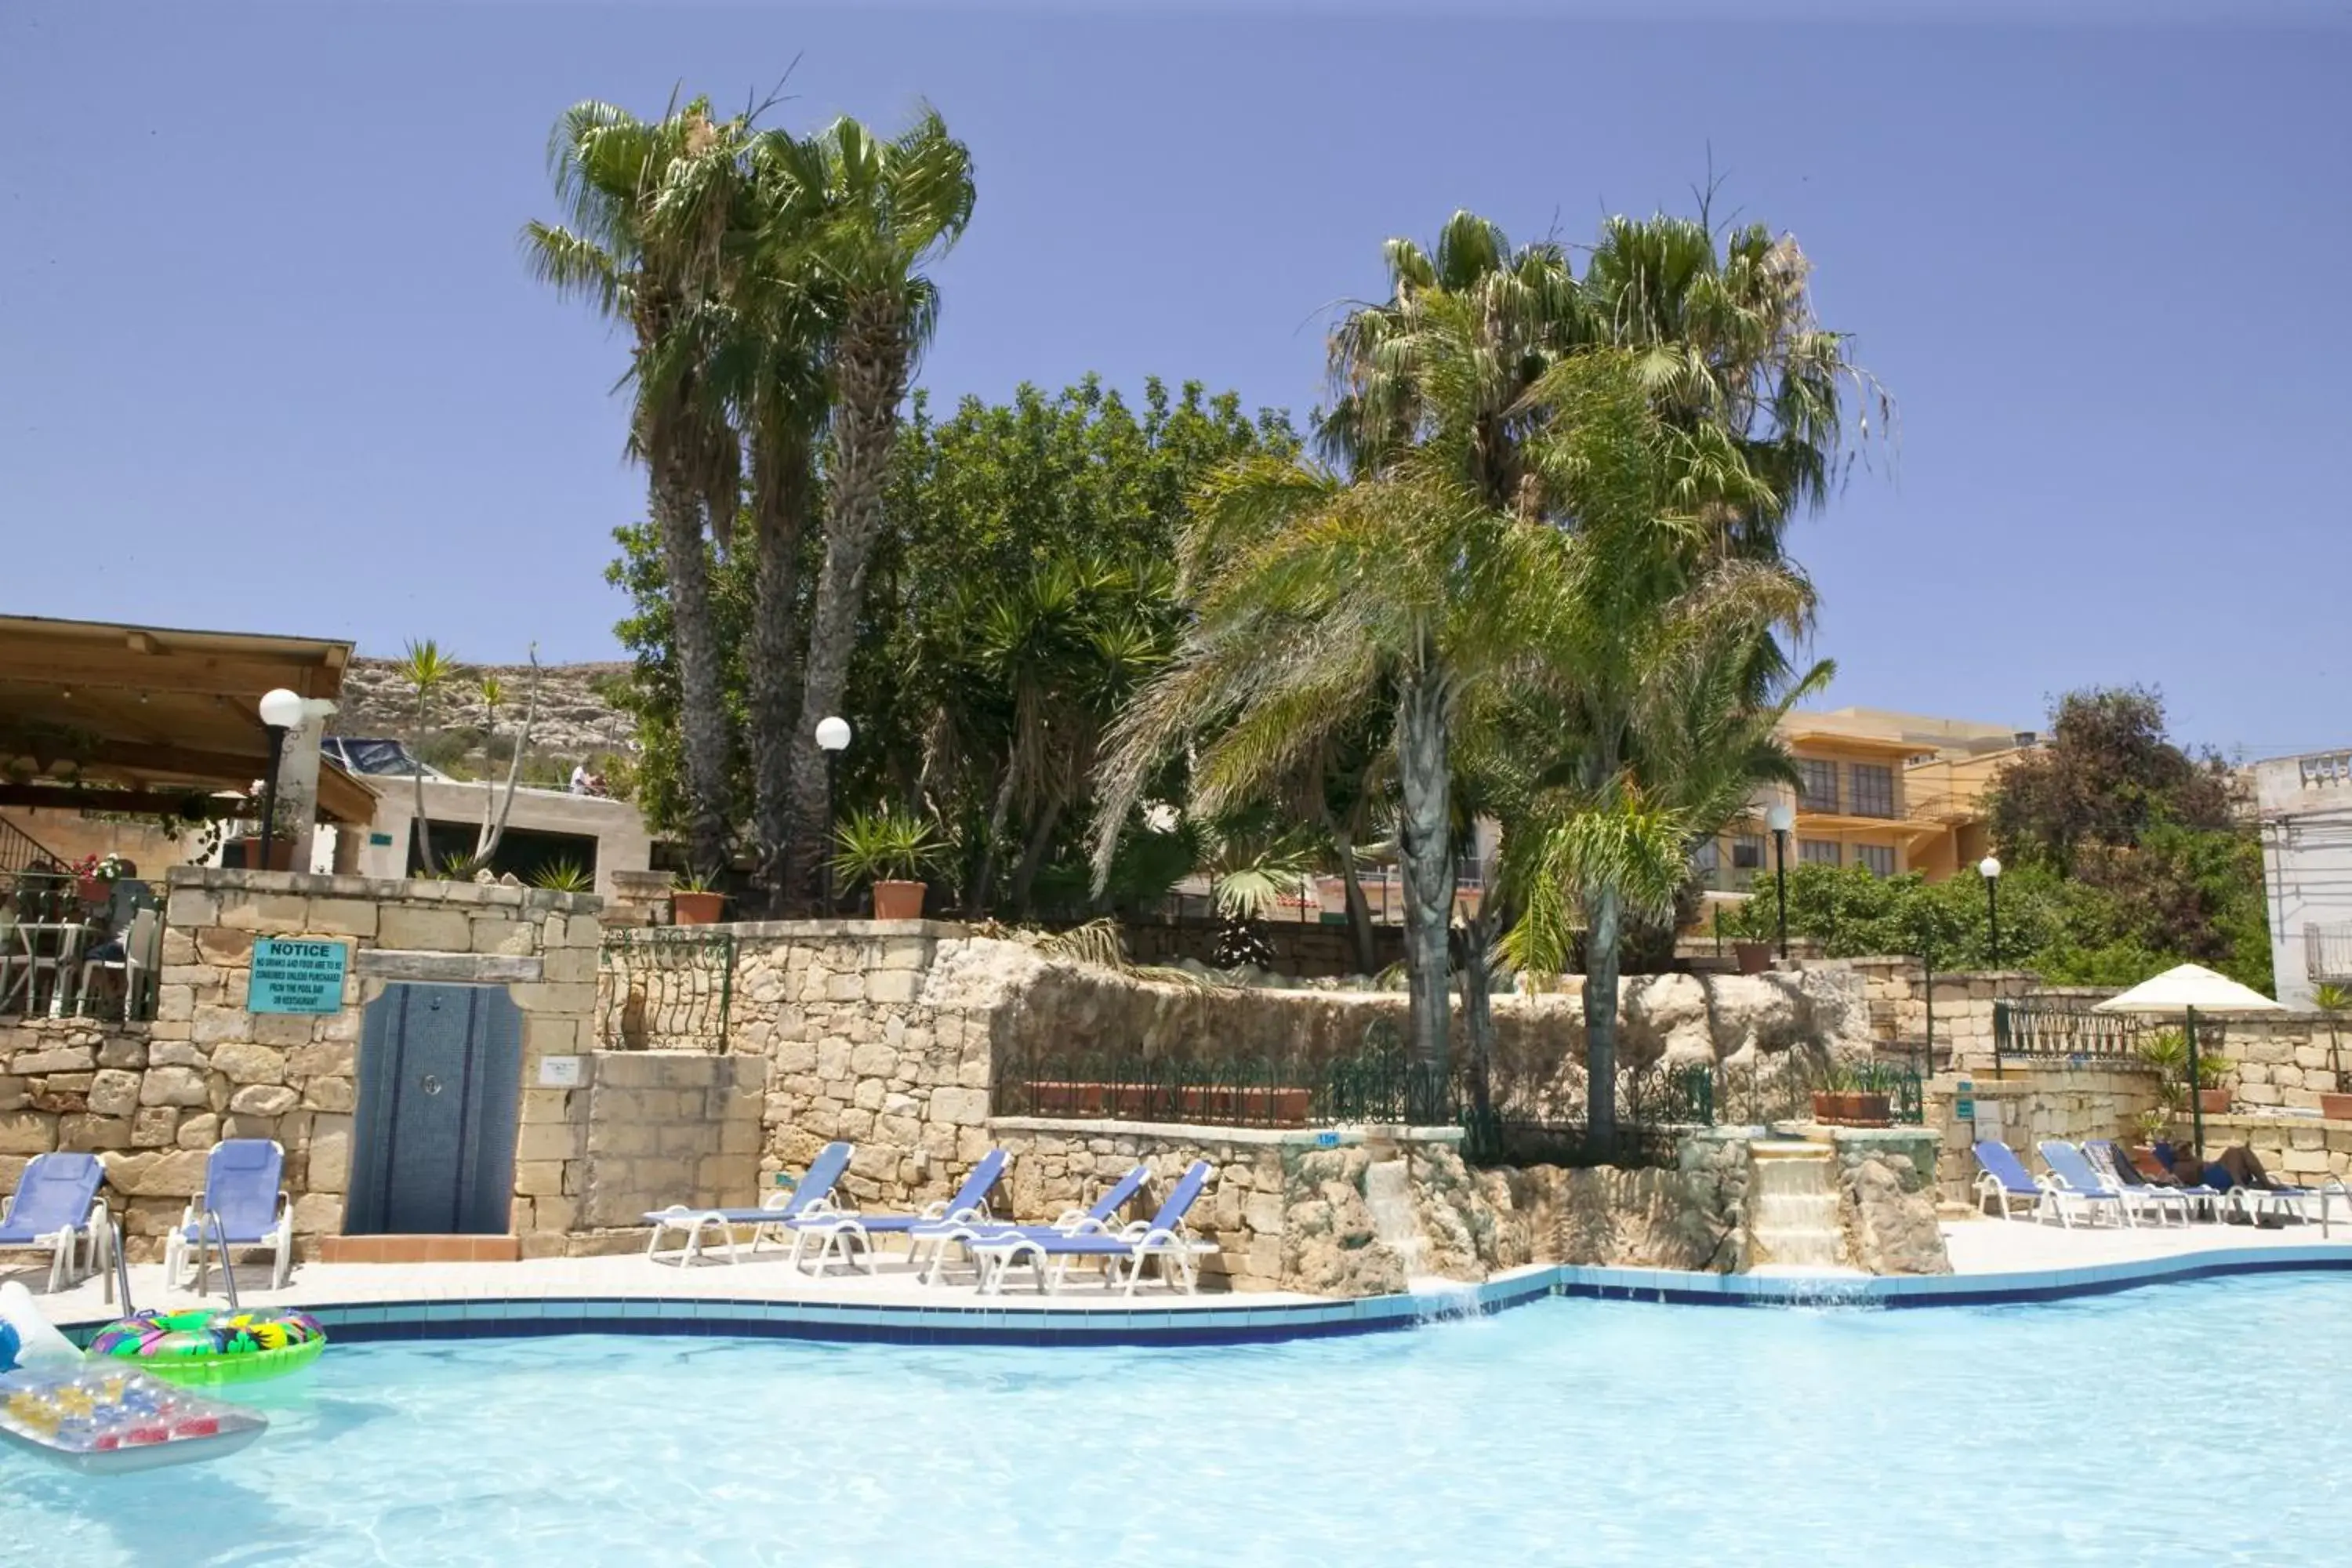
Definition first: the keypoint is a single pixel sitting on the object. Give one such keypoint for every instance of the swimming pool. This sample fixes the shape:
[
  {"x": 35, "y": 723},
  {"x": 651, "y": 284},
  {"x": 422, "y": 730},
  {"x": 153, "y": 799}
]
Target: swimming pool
[{"x": 1569, "y": 1431}]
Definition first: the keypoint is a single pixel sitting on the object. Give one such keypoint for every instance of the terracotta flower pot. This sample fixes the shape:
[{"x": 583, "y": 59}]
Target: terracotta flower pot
[
  {"x": 1753, "y": 957},
  {"x": 1852, "y": 1109},
  {"x": 2335, "y": 1107},
  {"x": 2213, "y": 1101},
  {"x": 897, "y": 900},
  {"x": 698, "y": 909}
]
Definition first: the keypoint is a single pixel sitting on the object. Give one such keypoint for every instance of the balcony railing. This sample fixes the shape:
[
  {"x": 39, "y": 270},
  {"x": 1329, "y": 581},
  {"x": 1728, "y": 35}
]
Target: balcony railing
[
  {"x": 2327, "y": 953},
  {"x": 2326, "y": 770}
]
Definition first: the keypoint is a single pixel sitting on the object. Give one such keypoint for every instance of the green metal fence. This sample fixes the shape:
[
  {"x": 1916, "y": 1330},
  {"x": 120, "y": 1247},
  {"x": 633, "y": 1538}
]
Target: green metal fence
[{"x": 664, "y": 988}]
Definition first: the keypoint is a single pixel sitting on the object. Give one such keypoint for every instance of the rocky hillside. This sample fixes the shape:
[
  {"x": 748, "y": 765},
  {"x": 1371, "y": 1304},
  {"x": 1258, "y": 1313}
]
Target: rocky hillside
[{"x": 575, "y": 721}]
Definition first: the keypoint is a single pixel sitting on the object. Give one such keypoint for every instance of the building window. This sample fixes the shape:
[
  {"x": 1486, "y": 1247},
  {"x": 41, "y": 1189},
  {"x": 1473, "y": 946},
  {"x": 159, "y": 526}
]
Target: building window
[
  {"x": 1873, "y": 790},
  {"x": 1706, "y": 857},
  {"x": 1747, "y": 853},
  {"x": 1878, "y": 859},
  {"x": 1816, "y": 785},
  {"x": 1817, "y": 851}
]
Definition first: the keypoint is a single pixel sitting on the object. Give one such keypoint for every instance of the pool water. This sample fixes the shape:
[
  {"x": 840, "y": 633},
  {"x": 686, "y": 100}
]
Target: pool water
[{"x": 2191, "y": 1425}]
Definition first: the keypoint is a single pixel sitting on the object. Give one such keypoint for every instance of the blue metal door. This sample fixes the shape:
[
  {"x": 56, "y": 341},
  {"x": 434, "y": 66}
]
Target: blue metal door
[{"x": 433, "y": 1141}]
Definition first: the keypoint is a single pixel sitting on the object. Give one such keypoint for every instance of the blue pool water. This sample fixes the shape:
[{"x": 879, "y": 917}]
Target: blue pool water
[{"x": 1565, "y": 1432}]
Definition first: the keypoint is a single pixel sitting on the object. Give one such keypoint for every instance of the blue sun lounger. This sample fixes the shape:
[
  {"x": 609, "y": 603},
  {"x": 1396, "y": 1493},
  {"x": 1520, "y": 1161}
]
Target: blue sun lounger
[
  {"x": 779, "y": 1209},
  {"x": 56, "y": 1209},
  {"x": 845, "y": 1229},
  {"x": 1122, "y": 1255},
  {"x": 2112, "y": 1160},
  {"x": 1095, "y": 1221},
  {"x": 2076, "y": 1173},
  {"x": 243, "y": 1205}
]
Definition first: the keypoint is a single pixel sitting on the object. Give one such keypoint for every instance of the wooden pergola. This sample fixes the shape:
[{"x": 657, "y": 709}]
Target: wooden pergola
[{"x": 152, "y": 720}]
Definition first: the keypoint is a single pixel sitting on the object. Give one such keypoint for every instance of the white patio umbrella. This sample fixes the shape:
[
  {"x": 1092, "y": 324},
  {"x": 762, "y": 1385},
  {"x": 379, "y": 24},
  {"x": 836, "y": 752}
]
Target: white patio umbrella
[{"x": 2184, "y": 990}]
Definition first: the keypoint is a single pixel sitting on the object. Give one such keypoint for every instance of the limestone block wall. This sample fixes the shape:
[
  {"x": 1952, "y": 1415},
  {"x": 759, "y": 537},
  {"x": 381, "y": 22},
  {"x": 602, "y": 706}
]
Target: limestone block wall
[
  {"x": 2035, "y": 1103},
  {"x": 657, "y": 1129},
  {"x": 1897, "y": 992},
  {"x": 2301, "y": 1149},
  {"x": 1301, "y": 949},
  {"x": 208, "y": 1070}
]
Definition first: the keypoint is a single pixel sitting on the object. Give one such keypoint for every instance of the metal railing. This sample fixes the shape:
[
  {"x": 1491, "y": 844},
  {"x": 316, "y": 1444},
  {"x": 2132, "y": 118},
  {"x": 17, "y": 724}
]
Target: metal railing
[
  {"x": 2027, "y": 1029},
  {"x": 664, "y": 988},
  {"x": 2327, "y": 953},
  {"x": 1522, "y": 1112},
  {"x": 20, "y": 851}
]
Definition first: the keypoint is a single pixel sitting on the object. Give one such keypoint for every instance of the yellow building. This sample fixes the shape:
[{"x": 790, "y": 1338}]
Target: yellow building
[{"x": 1889, "y": 791}]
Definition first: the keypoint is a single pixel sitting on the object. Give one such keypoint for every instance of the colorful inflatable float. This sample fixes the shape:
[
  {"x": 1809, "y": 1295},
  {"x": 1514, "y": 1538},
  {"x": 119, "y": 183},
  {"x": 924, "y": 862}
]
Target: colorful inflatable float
[
  {"x": 101, "y": 1418},
  {"x": 206, "y": 1347}
]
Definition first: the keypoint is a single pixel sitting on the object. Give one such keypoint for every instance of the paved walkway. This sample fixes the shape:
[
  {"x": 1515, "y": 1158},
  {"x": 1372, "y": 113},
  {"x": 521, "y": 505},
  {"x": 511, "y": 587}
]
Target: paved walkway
[{"x": 1978, "y": 1248}]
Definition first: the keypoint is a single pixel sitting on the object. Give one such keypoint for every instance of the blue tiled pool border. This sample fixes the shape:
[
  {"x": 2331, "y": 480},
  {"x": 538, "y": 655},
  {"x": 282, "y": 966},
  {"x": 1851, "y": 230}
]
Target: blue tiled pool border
[{"x": 1144, "y": 1323}]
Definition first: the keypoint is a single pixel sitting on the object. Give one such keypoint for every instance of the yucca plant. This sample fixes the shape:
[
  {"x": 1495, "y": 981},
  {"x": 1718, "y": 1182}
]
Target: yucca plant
[
  {"x": 882, "y": 846},
  {"x": 565, "y": 876}
]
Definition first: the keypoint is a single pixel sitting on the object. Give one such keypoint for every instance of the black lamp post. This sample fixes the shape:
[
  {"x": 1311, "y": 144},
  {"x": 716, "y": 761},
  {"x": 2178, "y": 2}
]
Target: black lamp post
[
  {"x": 832, "y": 736},
  {"x": 1990, "y": 869},
  {"x": 280, "y": 711},
  {"x": 1781, "y": 818}
]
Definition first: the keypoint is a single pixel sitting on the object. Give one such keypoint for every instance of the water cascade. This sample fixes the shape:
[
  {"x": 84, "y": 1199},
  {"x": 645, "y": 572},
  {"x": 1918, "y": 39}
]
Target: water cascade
[
  {"x": 1388, "y": 1193},
  {"x": 1793, "y": 1214}
]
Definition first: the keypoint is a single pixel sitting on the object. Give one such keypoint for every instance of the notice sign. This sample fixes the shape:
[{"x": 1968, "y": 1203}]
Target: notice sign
[{"x": 290, "y": 975}]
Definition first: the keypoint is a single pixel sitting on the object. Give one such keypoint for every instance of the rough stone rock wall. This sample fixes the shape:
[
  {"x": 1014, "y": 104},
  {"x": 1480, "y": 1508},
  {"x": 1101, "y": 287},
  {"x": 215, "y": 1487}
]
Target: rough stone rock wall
[
  {"x": 1693, "y": 1217},
  {"x": 1897, "y": 995},
  {"x": 879, "y": 1033},
  {"x": 1888, "y": 1200},
  {"x": 575, "y": 720}
]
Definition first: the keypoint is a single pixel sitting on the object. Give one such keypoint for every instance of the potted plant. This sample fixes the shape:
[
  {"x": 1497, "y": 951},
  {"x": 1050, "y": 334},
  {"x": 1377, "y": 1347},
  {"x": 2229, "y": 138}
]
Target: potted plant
[
  {"x": 694, "y": 902},
  {"x": 891, "y": 853},
  {"x": 2334, "y": 999},
  {"x": 95, "y": 876},
  {"x": 2151, "y": 1125},
  {"x": 1847, "y": 1099}
]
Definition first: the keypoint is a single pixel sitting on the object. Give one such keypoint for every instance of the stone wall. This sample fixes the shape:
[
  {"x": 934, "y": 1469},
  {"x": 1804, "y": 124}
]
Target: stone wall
[
  {"x": 1287, "y": 1209},
  {"x": 2301, "y": 1149},
  {"x": 1898, "y": 993},
  {"x": 655, "y": 1129},
  {"x": 154, "y": 1098},
  {"x": 2071, "y": 1103}
]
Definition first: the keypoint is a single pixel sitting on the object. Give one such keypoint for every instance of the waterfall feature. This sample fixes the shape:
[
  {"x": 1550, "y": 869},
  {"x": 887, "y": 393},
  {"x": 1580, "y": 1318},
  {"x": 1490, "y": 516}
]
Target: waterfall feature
[
  {"x": 1792, "y": 1210},
  {"x": 1388, "y": 1193}
]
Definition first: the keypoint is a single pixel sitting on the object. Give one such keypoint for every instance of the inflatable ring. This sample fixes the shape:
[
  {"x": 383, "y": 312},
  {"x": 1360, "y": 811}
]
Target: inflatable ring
[{"x": 205, "y": 1346}]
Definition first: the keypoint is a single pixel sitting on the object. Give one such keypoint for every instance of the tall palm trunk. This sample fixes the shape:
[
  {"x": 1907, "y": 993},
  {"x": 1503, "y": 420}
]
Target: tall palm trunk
[
  {"x": 1361, "y": 935},
  {"x": 872, "y": 379},
  {"x": 677, "y": 508},
  {"x": 1426, "y": 859},
  {"x": 1476, "y": 978},
  {"x": 1604, "y": 929},
  {"x": 780, "y": 501}
]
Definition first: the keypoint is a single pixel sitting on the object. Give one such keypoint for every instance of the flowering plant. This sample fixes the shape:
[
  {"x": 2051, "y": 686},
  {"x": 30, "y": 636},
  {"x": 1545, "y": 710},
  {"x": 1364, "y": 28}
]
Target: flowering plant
[{"x": 107, "y": 867}]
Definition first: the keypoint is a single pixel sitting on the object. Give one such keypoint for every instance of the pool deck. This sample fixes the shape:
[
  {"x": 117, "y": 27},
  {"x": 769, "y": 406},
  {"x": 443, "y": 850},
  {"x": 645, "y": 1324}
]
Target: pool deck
[{"x": 1992, "y": 1262}]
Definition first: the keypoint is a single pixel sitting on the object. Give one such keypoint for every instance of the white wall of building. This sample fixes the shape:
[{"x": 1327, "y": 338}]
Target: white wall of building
[
  {"x": 2304, "y": 805},
  {"x": 622, "y": 842}
]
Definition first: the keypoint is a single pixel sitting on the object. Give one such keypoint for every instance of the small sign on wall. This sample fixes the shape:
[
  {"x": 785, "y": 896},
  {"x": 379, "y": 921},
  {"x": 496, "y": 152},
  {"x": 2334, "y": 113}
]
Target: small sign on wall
[
  {"x": 293, "y": 975},
  {"x": 559, "y": 1072}
]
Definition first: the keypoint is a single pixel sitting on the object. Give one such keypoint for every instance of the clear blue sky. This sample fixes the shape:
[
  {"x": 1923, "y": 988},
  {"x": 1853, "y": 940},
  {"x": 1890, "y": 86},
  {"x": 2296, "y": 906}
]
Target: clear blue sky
[{"x": 268, "y": 359}]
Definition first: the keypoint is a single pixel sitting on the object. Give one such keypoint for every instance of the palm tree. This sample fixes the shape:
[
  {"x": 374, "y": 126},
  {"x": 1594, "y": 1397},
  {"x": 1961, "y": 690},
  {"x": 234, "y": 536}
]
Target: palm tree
[
  {"x": 1724, "y": 334},
  {"x": 1402, "y": 579},
  {"x": 859, "y": 218},
  {"x": 646, "y": 206},
  {"x": 1649, "y": 644}
]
